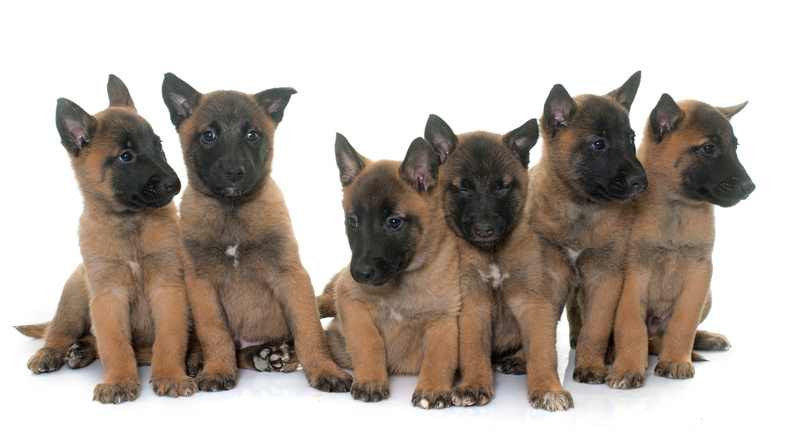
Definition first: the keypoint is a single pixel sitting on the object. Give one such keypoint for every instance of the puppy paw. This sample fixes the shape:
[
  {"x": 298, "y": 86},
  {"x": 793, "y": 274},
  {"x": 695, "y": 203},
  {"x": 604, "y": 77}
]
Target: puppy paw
[
  {"x": 281, "y": 358},
  {"x": 116, "y": 393},
  {"x": 676, "y": 370},
  {"x": 710, "y": 341},
  {"x": 174, "y": 387},
  {"x": 511, "y": 365},
  {"x": 194, "y": 363},
  {"x": 590, "y": 375},
  {"x": 370, "y": 391},
  {"x": 552, "y": 401},
  {"x": 427, "y": 399},
  {"x": 625, "y": 379},
  {"x": 215, "y": 382},
  {"x": 45, "y": 360},
  {"x": 80, "y": 355},
  {"x": 333, "y": 379},
  {"x": 471, "y": 395}
]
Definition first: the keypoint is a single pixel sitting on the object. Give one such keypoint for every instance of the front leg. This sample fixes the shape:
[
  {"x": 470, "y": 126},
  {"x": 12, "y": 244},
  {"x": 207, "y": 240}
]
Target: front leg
[
  {"x": 294, "y": 293},
  {"x": 602, "y": 282},
  {"x": 219, "y": 371},
  {"x": 630, "y": 332},
  {"x": 475, "y": 341},
  {"x": 170, "y": 311},
  {"x": 110, "y": 316},
  {"x": 366, "y": 348},
  {"x": 675, "y": 359},
  {"x": 439, "y": 362}
]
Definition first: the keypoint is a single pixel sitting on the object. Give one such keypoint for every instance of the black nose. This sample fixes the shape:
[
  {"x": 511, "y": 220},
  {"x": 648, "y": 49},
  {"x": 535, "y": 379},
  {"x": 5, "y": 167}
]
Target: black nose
[
  {"x": 747, "y": 187},
  {"x": 637, "y": 183},
  {"x": 483, "y": 230},
  {"x": 171, "y": 185},
  {"x": 363, "y": 273},
  {"x": 236, "y": 174}
]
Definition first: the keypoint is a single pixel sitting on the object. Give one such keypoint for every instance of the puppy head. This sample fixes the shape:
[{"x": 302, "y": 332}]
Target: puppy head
[
  {"x": 484, "y": 179},
  {"x": 117, "y": 158},
  {"x": 590, "y": 144},
  {"x": 390, "y": 214},
  {"x": 227, "y": 136},
  {"x": 694, "y": 143}
]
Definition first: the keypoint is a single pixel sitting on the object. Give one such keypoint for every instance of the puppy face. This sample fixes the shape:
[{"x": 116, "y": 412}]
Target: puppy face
[
  {"x": 387, "y": 217},
  {"x": 591, "y": 144},
  {"x": 484, "y": 179},
  {"x": 226, "y": 136},
  {"x": 118, "y": 159},
  {"x": 698, "y": 147}
]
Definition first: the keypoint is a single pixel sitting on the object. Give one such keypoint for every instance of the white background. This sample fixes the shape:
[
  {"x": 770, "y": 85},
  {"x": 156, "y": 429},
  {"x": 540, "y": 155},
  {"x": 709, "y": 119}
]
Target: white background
[{"x": 374, "y": 74}]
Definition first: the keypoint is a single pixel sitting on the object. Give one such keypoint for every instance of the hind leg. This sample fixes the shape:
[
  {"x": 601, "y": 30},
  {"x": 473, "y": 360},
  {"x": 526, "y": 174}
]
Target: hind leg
[
  {"x": 70, "y": 324},
  {"x": 275, "y": 357},
  {"x": 711, "y": 341},
  {"x": 82, "y": 353}
]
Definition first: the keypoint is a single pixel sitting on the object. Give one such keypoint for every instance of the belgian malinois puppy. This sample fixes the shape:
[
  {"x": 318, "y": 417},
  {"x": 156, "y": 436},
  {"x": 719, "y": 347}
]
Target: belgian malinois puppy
[
  {"x": 572, "y": 235},
  {"x": 689, "y": 151},
  {"x": 484, "y": 183},
  {"x": 129, "y": 292},
  {"x": 398, "y": 300},
  {"x": 246, "y": 283}
]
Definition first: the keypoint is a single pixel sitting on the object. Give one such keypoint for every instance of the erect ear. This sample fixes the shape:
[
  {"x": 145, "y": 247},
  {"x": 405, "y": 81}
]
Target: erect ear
[
  {"x": 440, "y": 136},
  {"x": 625, "y": 94},
  {"x": 522, "y": 139},
  {"x": 559, "y": 109},
  {"x": 75, "y": 126},
  {"x": 274, "y": 101},
  {"x": 421, "y": 165},
  {"x": 664, "y": 117},
  {"x": 731, "y": 111},
  {"x": 118, "y": 95},
  {"x": 349, "y": 162},
  {"x": 180, "y": 98}
]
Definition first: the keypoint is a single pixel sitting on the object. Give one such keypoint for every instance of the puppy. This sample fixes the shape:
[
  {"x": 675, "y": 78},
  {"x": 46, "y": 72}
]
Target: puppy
[
  {"x": 690, "y": 153},
  {"x": 129, "y": 292},
  {"x": 246, "y": 283},
  {"x": 484, "y": 183},
  {"x": 398, "y": 301}
]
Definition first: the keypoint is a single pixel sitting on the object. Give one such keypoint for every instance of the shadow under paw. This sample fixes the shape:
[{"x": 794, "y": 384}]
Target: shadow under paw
[
  {"x": 116, "y": 393},
  {"x": 45, "y": 360},
  {"x": 552, "y": 401},
  {"x": 432, "y": 400},
  {"x": 370, "y": 391},
  {"x": 675, "y": 370}
]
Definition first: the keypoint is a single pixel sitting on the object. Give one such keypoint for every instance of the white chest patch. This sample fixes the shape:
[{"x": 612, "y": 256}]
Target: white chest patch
[
  {"x": 573, "y": 254},
  {"x": 231, "y": 252},
  {"x": 135, "y": 268},
  {"x": 494, "y": 276}
]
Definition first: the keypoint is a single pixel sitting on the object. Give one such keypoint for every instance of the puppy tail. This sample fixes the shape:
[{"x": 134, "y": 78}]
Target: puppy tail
[
  {"x": 325, "y": 302},
  {"x": 35, "y": 331}
]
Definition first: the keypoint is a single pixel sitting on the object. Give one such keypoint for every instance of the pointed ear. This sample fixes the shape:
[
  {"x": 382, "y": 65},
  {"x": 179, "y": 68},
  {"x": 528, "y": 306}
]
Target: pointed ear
[
  {"x": 75, "y": 126},
  {"x": 118, "y": 95},
  {"x": 349, "y": 162},
  {"x": 180, "y": 98},
  {"x": 559, "y": 109},
  {"x": 522, "y": 139},
  {"x": 421, "y": 165},
  {"x": 440, "y": 136},
  {"x": 625, "y": 94},
  {"x": 664, "y": 117},
  {"x": 728, "y": 112},
  {"x": 274, "y": 101}
]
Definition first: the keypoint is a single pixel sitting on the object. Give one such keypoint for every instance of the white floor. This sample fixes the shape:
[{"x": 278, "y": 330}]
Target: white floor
[{"x": 730, "y": 394}]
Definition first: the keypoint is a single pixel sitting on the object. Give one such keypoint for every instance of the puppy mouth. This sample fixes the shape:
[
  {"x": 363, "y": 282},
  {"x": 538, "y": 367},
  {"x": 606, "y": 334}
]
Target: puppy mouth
[{"x": 231, "y": 192}]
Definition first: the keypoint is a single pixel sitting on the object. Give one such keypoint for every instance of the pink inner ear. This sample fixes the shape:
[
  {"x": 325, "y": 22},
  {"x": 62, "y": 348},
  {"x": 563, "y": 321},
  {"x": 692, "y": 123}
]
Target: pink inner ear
[
  {"x": 275, "y": 106},
  {"x": 77, "y": 131}
]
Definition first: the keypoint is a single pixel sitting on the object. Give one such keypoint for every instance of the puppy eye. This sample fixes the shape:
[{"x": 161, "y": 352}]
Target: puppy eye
[
  {"x": 209, "y": 136},
  {"x": 502, "y": 187},
  {"x": 352, "y": 221},
  {"x": 598, "y": 145},
  {"x": 126, "y": 156},
  {"x": 252, "y": 136},
  {"x": 708, "y": 150},
  {"x": 395, "y": 223}
]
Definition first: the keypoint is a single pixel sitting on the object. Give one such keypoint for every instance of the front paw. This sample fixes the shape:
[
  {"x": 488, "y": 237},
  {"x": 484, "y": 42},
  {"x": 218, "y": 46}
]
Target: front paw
[
  {"x": 432, "y": 399},
  {"x": 330, "y": 379},
  {"x": 511, "y": 365},
  {"x": 625, "y": 379},
  {"x": 470, "y": 395},
  {"x": 370, "y": 391},
  {"x": 174, "y": 387},
  {"x": 215, "y": 382},
  {"x": 551, "y": 400},
  {"x": 116, "y": 393},
  {"x": 677, "y": 370},
  {"x": 590, "y": 375},
  {"x": 45, "y": 360}
]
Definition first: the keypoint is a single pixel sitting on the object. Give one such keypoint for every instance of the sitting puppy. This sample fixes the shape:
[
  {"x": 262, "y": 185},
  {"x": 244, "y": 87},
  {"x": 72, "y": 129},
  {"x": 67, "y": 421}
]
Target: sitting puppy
[
  {"x": 690, "y": 154},
  {"x": 129, "y": 292},
  {"x": 484, "y": 180},
  {"x": 399, "y": 299}
]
